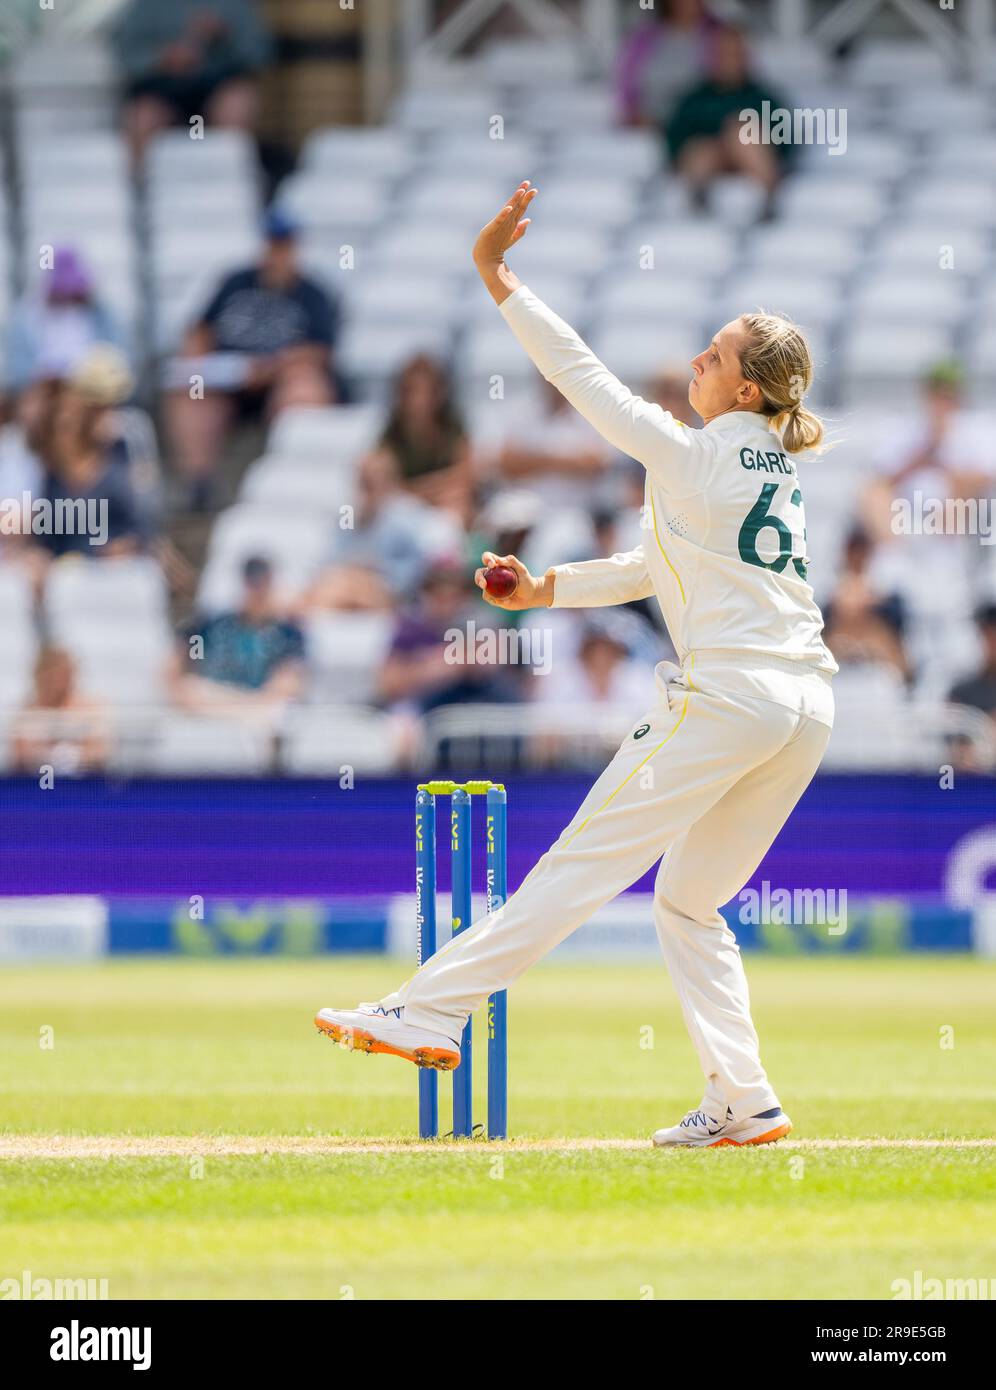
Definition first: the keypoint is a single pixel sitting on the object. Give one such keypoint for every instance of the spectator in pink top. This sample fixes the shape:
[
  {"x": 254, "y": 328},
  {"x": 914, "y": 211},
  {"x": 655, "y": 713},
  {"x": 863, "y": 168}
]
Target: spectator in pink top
[{"x": 660, "y": 57}]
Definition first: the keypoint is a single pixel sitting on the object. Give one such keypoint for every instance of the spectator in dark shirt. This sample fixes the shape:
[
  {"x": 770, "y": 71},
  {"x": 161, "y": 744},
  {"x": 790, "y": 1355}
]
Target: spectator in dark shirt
[
  {"x": 248, "y": 663},
  {"x": 184, "y": 58},
  {"x": 864, "y": 622},
  {"x": 277, "y": 330},
  {"x": 703, "y": 131},
  {"x": 979, "y": 691},
  {"x": 424, "y": 440}
]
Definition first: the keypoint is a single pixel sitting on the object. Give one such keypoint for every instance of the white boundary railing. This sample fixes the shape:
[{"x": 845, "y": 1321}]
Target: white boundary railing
[{"x": 319, "y": 740}]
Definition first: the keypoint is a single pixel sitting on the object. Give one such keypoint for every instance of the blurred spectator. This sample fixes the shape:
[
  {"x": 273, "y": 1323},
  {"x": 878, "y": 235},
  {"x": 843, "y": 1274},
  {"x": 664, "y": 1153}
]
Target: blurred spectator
[
  {"x": 265, "y": 340},
  {"x": 430, "y": 662},
  {"x": 387, "y": 553},
  {"x": 863, "y": 620},
  {"x": 943, "y": 451},
  {"x": 979, "y": 690},
  {"x": 85, "y": 479},
  {"x": 425, "y": 438},
  {"x": 58, "y": 726},
  {"x": 933, "y": 466},
  {"x": 602, "y": 676},
  {"x": 103, "y": 382},
  {"x": 189, "y": 58},
  {"x": 507, "y": 524},
  {"x": 657, "y": 58},
  {"x": 604, "y": 672},
  {"x": 668, "y": 388},
  {"x": 248, "y": 663},
  {"x": 554, "y": 451},
  {"x": 703, "y": 130},
  {"x": 54, "y": 324}
]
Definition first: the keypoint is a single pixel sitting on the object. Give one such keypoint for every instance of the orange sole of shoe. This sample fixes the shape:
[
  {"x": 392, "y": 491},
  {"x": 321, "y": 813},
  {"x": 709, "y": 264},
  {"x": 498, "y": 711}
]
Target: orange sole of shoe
[
  {"x": 770, "y": 1138},
  {"x": 359, "y": 1040}
]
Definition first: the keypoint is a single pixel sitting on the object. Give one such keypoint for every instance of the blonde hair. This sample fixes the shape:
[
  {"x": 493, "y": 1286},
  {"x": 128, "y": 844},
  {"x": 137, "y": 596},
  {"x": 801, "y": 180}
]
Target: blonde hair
[{"x": 776, "y": 357}]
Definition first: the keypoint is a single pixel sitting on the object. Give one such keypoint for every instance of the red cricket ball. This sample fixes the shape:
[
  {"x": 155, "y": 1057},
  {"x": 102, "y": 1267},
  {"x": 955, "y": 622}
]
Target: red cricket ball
[{"x": 501, "y": 581}]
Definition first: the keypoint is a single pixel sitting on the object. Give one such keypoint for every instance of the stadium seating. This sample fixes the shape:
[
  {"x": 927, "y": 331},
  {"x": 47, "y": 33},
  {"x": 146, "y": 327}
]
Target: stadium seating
[{"x": 861, "y": 251}]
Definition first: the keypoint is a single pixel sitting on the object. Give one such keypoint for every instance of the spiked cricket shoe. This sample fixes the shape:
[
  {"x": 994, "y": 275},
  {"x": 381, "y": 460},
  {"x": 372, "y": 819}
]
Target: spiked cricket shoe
[
  {"x": 371, "y": 1028},
  {"x": 699, "y": 1130}
]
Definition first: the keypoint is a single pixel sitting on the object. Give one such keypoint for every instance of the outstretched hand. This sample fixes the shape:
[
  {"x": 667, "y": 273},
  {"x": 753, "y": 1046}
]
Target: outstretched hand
[{"x": 502, "y": 232}]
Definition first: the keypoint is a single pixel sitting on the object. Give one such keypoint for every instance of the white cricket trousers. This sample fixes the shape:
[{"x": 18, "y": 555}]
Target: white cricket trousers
[{"x": 706, "y": 778}]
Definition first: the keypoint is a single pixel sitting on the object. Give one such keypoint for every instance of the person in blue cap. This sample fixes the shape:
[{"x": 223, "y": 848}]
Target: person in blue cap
[{"x": 275, "y": 331}]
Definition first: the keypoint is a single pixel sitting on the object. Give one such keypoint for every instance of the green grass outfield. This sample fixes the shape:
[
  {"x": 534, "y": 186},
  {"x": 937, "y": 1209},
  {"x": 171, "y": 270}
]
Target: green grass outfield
[{"x": 189, "y": 1135}]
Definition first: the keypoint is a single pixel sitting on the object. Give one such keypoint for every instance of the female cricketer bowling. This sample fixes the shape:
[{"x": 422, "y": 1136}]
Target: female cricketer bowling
[{"x": 708, "y": 775}]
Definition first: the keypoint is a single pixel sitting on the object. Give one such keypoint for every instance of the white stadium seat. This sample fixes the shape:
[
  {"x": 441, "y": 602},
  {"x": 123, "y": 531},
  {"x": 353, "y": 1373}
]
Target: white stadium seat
[
  {"x": 121, "y": 662},
  {"x": 440, "y": 198},
  {"x": 547, "y": 249},
  {"x": 490, "y": 350},
  {"x": 924, "y": 246},
  {"x": 324, "y": 431},
  {"x": 420, "y": 247},
  {"x": 20, "y": 639},
  {"x": 971, "y": 201},
  {"x": 949, "y": 155},
  {"x": 807, "y": 300},
  {"x": 889, "y": 359},
  {"x": 909, "y": 298},
  {"x": 588, "y": 202},
  {"x": 636, "y": 153},
  {"x": 851, "y": 202},
  {"x": 320, "y": 485},
  {"x": 173, "y": 157},
  {"x": 634, "y": 349},
  {"x": 875, "y": 157},
  {"x": 120, "y": 589},
  {"x": 820, "y": 250},
  {"x": 318, "y": 201},
  {"x": 440, "y": 108},
  {"x": 657, "y": 295},
  {"x": 881, "y": 62},
  {"x": 346, "y": 651},
  {"x": 196, "y": 744},
  {"x": 320, "y": 741},
  {"x": 691, "y": 246},
  {"x": 508, "y": 160},
  {"x": 372, "y": 353},
  {"x": 401, "y": 299},
  {"x": 349, "y": 151},
  {"x": 295, "y": 542},
  {"x": 571, "y": 108}
]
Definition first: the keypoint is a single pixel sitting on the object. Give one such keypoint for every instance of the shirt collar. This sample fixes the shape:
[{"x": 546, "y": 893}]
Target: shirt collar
[{"x": 740, "y": 420}]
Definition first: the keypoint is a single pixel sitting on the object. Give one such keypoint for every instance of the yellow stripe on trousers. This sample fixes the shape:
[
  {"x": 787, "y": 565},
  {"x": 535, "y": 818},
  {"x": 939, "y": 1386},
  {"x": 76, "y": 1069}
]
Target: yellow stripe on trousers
[{"x": 653, "y": 751}]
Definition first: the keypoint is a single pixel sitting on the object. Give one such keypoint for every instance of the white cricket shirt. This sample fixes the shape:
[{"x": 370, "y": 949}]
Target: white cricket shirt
[{"x": 725, "y": 545}]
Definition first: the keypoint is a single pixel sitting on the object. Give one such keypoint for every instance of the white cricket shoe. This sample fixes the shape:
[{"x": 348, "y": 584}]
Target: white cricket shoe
[
  {"x": 700, "y": 1130},
  {"x": 371, "y": 1028}
]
